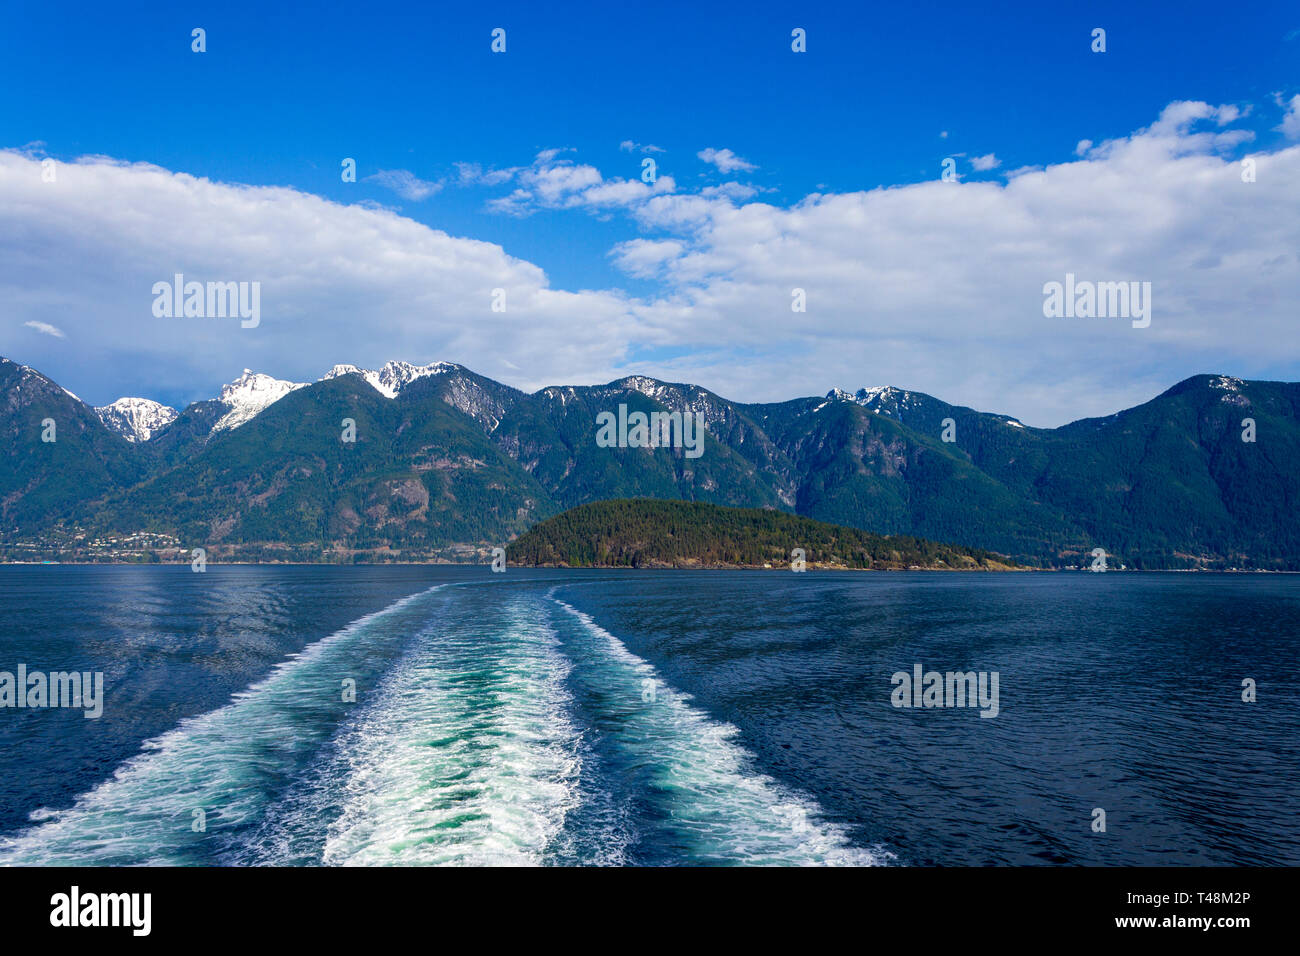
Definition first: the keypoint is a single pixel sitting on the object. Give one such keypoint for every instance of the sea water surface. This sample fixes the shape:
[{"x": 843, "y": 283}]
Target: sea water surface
[{"x": 648, "y": 717}]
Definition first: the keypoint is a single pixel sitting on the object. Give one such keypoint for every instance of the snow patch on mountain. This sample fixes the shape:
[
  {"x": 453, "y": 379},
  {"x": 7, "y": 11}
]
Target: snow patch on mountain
[
  {"x": 866, "y": 396},
  {"x": 563, "y": 393},
  {"x": 136, "y": 419},
  {"x": 687, "y": 399},
  {"x": 649, "y": 387},
  {"x": 371, "y": 377},
  {"x": 27, "y": 373},
  {"x": 1227, "y": 383},
  {"x": 884, "y": 399},
  {"x": 393, "y": 377},
  {"x": 248, "y": 395},
  {"x": 463, "y": 392},
  {"x": 1232, "y": 391}
]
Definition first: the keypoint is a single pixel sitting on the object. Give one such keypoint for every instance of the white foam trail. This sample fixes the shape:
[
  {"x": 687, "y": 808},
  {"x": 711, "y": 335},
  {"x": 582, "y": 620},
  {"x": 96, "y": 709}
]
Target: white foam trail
[
  {"x": 722, "y": 806},
  {"x": 467, "y": 754},
  {"x": 217, "y": 762},
  {"x": 469, "y": 758}
]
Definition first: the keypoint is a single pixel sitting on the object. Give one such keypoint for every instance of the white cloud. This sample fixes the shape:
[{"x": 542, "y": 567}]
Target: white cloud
[
  {"x": 1291, "y": 119},
  {"x": 734, "y": 191},
  {"x": 628, "y": 146},
  {"x": 405, "y": 183},
  {"x": 1229, "y": 113},
  {"x": 1173, "y": 131},
  {"x": 554, "y": 183},
  {"x": 45, "y": 328},
  {"x": 932, "y": 286},
  {"x": 725, "y": 160},
  {"x": 339, "y": 283},
  {"x": 985, "y": 163},
  {"x": 472, "y": 174},
  {"x": 645, "y": 258},
  {"x": 937, "y": 286}
]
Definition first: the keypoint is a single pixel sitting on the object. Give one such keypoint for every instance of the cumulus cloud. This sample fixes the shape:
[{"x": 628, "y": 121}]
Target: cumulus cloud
[
  {"x": 726, "y": 161},
  {"x": 339, "y": 283},
  {"x": 405, "y": 183},
  {"x": 933, "y": 286},
  {"x": 1290, "y": 127},
  {"x": 645, "y": 258},
  {"x": 552, "y": 182},
  {"x": 1173, "y": 130},
  {"x": 628, "y": 146},
  {"x": 940, "y": 283},
  {"x": 985, "y": 163}
]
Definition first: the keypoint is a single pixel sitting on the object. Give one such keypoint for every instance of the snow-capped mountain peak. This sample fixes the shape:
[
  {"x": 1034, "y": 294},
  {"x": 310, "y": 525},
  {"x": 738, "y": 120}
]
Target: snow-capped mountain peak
[
  {"x": 250, "y": 394},
  {"x": 367, "y": 374},
  {"x": 897, "y": 403},
  {"x": 871, "y": 397},
  {"x": 136, "y": 419},
  {"x": 866, "y": 396},
  {"x": 397, "y": 375},
  {"x": 393, "y": 377},
  {"x": 881, "y": 399},
  {"x": 338, "y": 370}
]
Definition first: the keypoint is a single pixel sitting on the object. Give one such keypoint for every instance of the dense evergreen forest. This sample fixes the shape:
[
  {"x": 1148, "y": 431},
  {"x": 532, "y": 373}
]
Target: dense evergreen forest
[{"x": 643, "y": 532}]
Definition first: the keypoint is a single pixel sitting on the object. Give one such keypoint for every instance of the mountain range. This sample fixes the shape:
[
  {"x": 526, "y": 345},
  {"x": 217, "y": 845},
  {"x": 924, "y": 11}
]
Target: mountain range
[{"x": 447, "y": 463}]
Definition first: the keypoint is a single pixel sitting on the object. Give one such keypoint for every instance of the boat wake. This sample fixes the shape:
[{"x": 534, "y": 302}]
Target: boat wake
[{"x": 491, "y": 726}]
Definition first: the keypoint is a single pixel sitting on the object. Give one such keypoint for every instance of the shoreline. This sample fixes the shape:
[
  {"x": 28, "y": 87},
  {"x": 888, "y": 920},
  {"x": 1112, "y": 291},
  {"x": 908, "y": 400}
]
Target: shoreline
[{"x": 664, "y": 567}]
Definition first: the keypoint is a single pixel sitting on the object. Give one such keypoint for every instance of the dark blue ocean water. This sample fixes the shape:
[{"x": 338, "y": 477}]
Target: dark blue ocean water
[{"x": 649, "y": 717}]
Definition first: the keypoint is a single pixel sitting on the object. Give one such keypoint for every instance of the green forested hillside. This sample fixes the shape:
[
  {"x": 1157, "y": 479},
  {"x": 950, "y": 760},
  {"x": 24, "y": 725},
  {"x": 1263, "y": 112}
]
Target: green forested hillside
[
  {"x": 642, "y": 532},
  {"x": 45, "y": 481},
  {"x": 419, "y": 475}
]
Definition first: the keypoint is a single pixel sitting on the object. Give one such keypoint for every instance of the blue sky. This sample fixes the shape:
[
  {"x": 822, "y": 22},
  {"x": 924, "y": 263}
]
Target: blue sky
[{"x": 281, "y": 96}]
